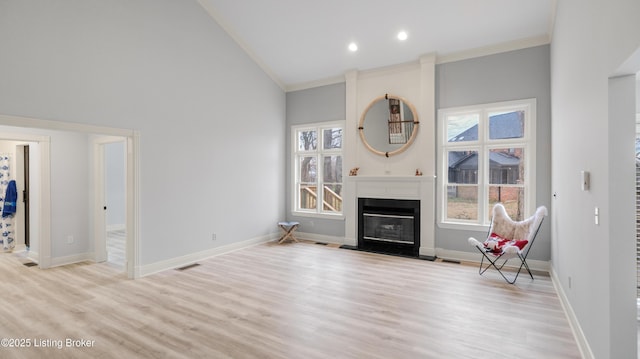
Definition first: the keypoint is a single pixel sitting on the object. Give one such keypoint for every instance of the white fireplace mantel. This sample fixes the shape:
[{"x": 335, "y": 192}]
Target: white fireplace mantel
[{"x": 420, "y": 188}]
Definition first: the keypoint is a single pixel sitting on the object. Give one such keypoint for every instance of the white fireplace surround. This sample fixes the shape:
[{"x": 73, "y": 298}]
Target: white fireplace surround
[
  {"x": 392, "y": 177},
  {"x": 420, "y": 188}
]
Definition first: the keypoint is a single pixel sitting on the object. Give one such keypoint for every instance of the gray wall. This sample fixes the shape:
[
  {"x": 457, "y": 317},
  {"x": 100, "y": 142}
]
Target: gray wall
[
  {"x": 166, "y": 69},
  {"x": 507, "y": 76},
  {"x": 320, "y": 104}
]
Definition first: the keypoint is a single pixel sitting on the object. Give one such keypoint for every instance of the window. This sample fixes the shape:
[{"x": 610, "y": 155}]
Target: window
[
  {"x": 487, "y": 156},
  {"x": 318, "y": 168}
]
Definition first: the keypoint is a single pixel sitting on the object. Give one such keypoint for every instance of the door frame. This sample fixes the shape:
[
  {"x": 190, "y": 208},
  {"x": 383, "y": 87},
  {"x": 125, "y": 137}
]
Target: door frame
[
  {"x": 132, "y": 144},
  {"x": 43, "y": 206}
]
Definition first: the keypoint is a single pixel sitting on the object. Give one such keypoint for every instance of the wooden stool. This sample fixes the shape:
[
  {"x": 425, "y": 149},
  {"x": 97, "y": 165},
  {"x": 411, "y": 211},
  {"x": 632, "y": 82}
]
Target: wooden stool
[{"x": 288, "y": 228}]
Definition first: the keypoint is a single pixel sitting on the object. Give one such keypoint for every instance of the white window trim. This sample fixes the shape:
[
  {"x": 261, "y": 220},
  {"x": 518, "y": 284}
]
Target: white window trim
[
  {"x": 318, "y": 126},
  {"x": 529, "y": 141}
]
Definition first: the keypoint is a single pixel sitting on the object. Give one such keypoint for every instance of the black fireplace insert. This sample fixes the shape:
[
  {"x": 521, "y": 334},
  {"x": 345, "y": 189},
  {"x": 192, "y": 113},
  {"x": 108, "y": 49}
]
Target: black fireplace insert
[{"x": 389, "y": 226}]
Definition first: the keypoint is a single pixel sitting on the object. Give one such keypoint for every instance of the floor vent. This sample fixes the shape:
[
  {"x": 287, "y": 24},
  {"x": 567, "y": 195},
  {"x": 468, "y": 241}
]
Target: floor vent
[
  {"x": 30, "y": 264},
  {"x": 450, "y": 261},
  {"x": 428, "y": 258},
  {"x": 188, "y": 266}
]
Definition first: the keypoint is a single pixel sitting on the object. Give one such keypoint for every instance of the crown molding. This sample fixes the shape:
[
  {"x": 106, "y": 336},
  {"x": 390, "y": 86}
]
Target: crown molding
[
  {"x": 317, "y": 83},
  {"x": 494, "y": 49}
]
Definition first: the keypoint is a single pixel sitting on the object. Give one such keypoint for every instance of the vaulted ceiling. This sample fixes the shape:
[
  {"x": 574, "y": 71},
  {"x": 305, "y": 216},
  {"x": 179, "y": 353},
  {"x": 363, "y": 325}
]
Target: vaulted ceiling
[{"x": 300, "y": 42}]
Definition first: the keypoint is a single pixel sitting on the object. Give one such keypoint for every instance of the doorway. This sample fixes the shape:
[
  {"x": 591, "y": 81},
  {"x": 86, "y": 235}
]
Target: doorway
[
  {"x": 110, "y": 166},
  {"x": 115, "y": 195},
  {"x": 23, "y": 176},
  {"x": 41, "y": 132},
  {"x": 26, "y": 169},
  {"x": 622, "y": 210},
  {"x": 24, "y": 180}
]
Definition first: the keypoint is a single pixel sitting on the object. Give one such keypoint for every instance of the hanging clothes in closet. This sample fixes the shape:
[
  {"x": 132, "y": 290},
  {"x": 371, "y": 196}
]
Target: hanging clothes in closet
[{"x": 8, "y": 199}]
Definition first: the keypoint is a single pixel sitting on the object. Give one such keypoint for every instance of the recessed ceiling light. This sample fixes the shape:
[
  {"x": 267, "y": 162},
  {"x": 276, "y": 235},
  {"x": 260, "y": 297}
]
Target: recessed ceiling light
[
  {"x": 402, "y": 35},
  {"x": 353, "y": 47}
]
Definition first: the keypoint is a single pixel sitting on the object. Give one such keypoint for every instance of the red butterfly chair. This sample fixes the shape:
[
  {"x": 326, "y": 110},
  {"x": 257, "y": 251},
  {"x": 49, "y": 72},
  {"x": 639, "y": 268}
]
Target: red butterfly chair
[{"x": 508, "y": 239}]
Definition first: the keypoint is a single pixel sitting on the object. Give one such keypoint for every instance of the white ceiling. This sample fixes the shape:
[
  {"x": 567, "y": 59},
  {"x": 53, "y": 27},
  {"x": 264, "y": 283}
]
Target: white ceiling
[{"x": 303, "y": 41}]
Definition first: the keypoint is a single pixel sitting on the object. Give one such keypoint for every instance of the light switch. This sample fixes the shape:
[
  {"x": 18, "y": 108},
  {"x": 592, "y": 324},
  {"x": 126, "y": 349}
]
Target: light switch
[{"x": 597, "y": 215}]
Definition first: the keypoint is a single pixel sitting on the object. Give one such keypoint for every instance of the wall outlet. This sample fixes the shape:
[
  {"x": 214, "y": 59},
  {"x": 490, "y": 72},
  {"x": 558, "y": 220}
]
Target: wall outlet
[
  {"x": 214, "y": 237},
  {"x": 70, "y": 240}
]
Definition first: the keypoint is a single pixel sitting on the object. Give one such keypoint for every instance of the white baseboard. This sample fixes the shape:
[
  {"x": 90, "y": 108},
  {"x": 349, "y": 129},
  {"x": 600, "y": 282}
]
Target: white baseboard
[
  {"x": 319, "y": 238},
  {"x": 581, "y": 339},
  {"x": 75, "y": 258},
  {"x": 448, "y": 254},
  {"x": 187, "y": 259},
  {"x": 473, "y": 257}
]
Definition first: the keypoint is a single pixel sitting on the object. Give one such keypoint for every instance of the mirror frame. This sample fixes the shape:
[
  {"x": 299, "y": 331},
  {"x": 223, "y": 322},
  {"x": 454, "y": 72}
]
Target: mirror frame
[{"x": 404, "y": 147}]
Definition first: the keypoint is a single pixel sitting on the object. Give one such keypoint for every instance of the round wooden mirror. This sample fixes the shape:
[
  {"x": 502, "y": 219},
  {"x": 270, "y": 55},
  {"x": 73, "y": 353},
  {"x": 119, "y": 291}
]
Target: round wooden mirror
[{"x": 388, "y": 126}]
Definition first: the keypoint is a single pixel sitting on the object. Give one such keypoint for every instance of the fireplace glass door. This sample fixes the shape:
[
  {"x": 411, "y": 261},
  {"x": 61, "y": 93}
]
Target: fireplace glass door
[
  {"x": 388, "y": 228},
  {"x": 389, "y": 225}
]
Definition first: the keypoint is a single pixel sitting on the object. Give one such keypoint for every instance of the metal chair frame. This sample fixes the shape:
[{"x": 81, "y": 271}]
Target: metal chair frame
[{"x": 522, "y": 255}]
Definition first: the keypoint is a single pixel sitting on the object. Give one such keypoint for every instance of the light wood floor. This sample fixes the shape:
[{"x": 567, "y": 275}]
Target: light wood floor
[
  {"x": 299, "y": 300},
  {"x": 116, "y": 243}
]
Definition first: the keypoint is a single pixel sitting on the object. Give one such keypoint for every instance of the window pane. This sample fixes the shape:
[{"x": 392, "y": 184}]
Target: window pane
[
  {"x": 307, "y": 140},
  {"x": 332, "y": 188},
  {"x": 511, "y": 197},
  {"x": 462, "y": 202},
  {"x": 462, "y": 128},
  {"x": 332, "y": 170},
  {"x": 332, "y": 198},
  {"x": 506, "y": 166},
  {"x": 506, "y": 125},
  {"x": 308, "y": 196},
  {"x": 332, "y": 138},
  {"x": 308, "y": 169},
  {"x": 463, "y": 167}
]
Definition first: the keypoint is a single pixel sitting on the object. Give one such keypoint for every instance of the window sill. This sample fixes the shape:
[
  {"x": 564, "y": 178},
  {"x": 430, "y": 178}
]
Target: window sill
[
  {"x": 464, "y": 226},
  {"x": 338, "y": 217}
]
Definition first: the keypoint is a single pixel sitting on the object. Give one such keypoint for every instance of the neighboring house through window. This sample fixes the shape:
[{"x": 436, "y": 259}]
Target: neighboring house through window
[
  {"x": 487, "y": 156},
  {"x": 317, "y": 165}
]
